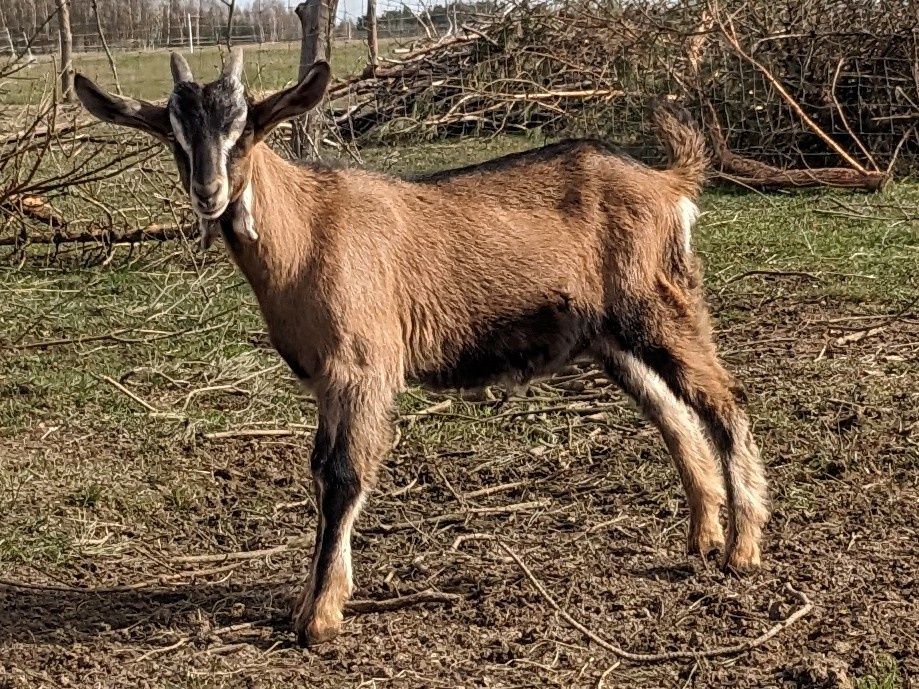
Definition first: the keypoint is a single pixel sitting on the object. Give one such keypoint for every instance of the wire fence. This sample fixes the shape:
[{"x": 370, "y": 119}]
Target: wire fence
[{"x": 189, "y": 30}]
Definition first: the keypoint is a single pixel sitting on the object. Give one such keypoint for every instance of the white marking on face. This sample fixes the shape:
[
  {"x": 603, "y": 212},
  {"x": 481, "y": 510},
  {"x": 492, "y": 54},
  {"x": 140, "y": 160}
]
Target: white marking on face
[
  {"x": 688, "y": 213},
  {"x": 179, "y": 134},
  {"x": 243, "y": 224}
]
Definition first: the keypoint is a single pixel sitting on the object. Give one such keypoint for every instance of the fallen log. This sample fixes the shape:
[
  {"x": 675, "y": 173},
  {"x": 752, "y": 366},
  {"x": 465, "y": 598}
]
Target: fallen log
[
  {"x": 747, "y": 172},
  {"x": 106, "y": 236}
]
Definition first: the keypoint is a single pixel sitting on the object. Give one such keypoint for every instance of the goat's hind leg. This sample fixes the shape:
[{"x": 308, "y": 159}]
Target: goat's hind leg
[
  {"x": 682, "y": 433},
  {"x": 685, "y": 359}
]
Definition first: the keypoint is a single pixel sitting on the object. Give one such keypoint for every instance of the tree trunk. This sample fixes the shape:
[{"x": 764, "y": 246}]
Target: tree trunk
[
  {"x": 373, "y": 43},
  {"x": 317, "y": 18},
  {"x": 66, "y": 36}
]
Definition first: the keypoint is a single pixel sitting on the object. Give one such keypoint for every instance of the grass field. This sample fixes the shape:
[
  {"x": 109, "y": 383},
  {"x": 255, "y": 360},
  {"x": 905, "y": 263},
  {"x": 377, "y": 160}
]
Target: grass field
[
  {"x": 146, "y": 430},
  {"x": 145, "y": 74}
]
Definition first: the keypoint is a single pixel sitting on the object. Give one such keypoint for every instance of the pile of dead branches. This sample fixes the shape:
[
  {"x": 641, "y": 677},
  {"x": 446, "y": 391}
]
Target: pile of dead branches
[{"x": 820, "y": 85}]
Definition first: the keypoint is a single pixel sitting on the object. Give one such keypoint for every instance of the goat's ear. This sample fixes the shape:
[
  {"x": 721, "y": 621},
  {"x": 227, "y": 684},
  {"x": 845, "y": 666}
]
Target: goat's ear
[
  {"x": 291, "y": 102},
  {"x": 139, "y": 114}
]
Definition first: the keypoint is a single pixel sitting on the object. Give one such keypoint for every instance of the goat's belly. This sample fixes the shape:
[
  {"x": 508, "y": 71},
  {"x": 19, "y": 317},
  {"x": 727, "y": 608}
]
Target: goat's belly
[{"x": 513, "y": 351}]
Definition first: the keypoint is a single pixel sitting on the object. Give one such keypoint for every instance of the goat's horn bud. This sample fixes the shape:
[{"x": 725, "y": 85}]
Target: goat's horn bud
[
  {"x": 180, "y": 69},
  {"x": 233, "y": 67}
]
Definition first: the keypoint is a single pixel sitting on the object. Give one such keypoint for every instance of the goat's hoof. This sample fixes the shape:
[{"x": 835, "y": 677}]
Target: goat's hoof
[
  {"x": 742, "y": 557},
  {"x": 316, "y": 633},
  {"x": 704, "y": 541},
  {"x": 313, "y": 626}
]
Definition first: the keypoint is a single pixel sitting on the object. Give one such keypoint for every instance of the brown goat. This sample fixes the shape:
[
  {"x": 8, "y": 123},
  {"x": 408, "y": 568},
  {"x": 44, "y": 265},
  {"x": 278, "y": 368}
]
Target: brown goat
[{"x": 501, "y": 271}]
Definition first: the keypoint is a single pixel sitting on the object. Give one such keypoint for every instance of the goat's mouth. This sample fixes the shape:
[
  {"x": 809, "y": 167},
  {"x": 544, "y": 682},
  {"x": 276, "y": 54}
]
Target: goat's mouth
[
  {"x": 212, "y": 215},
  {"x": 209, "y": 211}
]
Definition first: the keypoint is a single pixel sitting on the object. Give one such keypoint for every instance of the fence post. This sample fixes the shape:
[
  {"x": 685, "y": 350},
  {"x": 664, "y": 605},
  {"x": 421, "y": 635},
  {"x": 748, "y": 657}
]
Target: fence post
[
  {"x": 316, "y": 20},
  {"x": 66, "y": 36},
  {"x": 373, "y": 44},
  {"x": 9, "y": 41},
  {"x": 30, "y": 58},
  {"x": 191, "y": 35}
]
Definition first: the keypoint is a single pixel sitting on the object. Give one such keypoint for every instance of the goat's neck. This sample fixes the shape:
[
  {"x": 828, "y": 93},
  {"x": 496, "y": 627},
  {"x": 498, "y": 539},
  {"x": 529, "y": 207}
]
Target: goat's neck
[{"x": 280, "y": 201}]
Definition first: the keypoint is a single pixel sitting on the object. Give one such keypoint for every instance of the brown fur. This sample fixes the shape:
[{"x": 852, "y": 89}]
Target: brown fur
[{"x": 366, "y": 281}]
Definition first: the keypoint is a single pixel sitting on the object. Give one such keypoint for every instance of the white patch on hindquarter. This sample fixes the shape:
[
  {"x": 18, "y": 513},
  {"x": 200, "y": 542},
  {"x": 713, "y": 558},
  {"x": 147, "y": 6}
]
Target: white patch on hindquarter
[{"x": 688, "y": 213}]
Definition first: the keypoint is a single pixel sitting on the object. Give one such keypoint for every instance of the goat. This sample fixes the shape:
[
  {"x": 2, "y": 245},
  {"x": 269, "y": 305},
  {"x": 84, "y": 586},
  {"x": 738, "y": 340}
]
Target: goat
[{"x": 501, "y": 271}]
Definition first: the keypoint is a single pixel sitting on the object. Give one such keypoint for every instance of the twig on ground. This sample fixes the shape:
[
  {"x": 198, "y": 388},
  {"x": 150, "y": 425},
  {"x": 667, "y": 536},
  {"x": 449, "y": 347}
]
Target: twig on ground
[
  {"x": 158, "y": 651},
  {"x": 491, "y": 490},
  {"x": 858, "y": 336},
  {"x": 735, "y": 649},
  {"x": 118, "y": 386},
  {"x": 238, "y": 555},
  {"x": 258, "y": 433},
  {"x": 359, "y": 607},
  {"x": 462, "y": 538},
  {"x": 153, "y": 582},
  {"x": 458, "y": 516}
]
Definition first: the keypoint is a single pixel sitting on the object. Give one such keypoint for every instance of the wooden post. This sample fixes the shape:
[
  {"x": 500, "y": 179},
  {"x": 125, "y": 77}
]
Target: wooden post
[
  {"x": 30, "y": 58},
  {"x": 373, "y": 43},
  {"x": 9, "y": 40},
  {"x": 317, "y": 18},
  {"x": 66, "y": 36}
]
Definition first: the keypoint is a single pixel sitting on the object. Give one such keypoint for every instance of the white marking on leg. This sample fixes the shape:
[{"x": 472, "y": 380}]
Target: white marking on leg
[
  {"x": 658, "y": 396},
  {"x": 344, "y": 540},
  {"x": 673, "y": 417}
]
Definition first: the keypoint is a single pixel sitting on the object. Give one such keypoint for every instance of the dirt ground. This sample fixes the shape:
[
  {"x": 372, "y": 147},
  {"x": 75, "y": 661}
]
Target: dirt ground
[{"x": 162, "y": 548}]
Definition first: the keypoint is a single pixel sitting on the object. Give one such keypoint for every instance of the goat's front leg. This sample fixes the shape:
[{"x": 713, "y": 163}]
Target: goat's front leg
[{"x": 354, "y": 433}]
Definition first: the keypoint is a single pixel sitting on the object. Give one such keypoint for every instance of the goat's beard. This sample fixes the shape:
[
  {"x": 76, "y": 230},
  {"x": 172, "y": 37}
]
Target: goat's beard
[
  {"x": 240, "y": 216},
  {"x": 209, "y": 230}
]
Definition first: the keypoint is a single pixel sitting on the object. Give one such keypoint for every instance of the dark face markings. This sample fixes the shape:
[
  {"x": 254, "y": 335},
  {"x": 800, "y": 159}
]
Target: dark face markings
[{"x": 208, "y": 123}]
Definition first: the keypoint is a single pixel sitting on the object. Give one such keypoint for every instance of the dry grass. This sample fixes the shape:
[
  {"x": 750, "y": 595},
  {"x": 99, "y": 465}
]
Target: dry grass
[{"x": 134, "y": 403}]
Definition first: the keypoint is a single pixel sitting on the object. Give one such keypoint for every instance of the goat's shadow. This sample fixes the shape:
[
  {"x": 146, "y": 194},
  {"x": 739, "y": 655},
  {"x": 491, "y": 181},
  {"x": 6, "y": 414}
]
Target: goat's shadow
[{"x": 46, "y": 616}]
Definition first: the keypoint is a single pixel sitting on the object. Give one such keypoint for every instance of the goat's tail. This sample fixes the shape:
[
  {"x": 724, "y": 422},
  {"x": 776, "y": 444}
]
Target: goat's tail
[{"x": 683, "y": 142}]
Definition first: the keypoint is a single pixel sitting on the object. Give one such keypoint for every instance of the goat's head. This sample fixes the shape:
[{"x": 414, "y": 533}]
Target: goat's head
[{"x": 211, "y": 128}]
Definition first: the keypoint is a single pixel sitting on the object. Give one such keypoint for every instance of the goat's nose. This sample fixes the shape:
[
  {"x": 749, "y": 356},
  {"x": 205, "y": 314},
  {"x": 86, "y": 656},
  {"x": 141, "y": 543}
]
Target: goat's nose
[{"x": 206, "y": 194}]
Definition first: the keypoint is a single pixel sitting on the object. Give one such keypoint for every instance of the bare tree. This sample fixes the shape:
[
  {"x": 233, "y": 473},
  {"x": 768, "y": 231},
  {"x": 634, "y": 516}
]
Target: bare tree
[
  {"x": 231, "y": 9},
  {"x": 66, "y": 35}
]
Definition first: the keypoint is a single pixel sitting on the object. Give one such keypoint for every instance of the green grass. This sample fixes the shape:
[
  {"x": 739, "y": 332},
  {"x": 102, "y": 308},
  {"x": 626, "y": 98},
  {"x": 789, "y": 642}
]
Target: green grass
[
  {"x": 114, "y": 378},
  {"x": 178, "y": 330},
  {"x": 884, "y": 675},
  {"x": 145, "y": 74}
]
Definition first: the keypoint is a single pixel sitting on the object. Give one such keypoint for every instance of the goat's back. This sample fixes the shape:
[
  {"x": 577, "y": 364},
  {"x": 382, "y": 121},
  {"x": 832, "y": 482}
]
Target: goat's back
[{"x": 509, "y": 266}]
